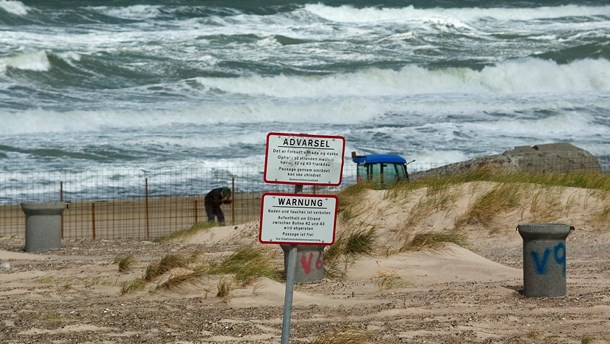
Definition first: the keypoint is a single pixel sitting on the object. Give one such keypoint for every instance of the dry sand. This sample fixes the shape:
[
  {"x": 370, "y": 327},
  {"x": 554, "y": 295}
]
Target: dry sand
[{"x": 450, "y": 294}]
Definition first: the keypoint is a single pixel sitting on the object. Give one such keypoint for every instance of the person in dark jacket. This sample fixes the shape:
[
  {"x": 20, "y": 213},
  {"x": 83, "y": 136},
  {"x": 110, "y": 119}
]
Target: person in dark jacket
[{"x": 212, "y": 202}]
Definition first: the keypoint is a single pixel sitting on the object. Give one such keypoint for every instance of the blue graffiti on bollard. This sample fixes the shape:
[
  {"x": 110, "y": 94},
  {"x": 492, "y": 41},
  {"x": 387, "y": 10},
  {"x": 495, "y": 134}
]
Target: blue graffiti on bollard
[{"x": 559, "y": 254}]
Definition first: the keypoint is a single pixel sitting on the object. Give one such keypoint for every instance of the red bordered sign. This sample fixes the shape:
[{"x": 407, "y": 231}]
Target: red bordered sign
[
  {"x": 304, "y": 159},
  {"x": 298, "y": 219}
]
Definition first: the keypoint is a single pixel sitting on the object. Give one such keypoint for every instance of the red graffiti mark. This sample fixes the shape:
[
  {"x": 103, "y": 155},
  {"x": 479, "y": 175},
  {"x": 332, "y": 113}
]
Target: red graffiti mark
[
  {"x": 306, "y": 262},
  {"x": 320, "y": 261}
]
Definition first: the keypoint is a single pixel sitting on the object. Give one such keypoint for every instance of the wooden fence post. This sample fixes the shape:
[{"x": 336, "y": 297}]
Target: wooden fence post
[
  {"x": 93, "y": 229},
  {"x": 233, "y": 203},
  {"x": 61, "y": 198},
  {"x": 146, "y": 208}
]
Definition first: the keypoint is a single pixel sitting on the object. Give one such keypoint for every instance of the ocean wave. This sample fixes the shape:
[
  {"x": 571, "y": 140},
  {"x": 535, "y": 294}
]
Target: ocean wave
[
  {"x": 14, "y": 7},
  {"x": 351, "y": 14},
  {"x": 33, "y": 61},
  {"x": 593, "y": 50},
  {"x": 524, "y": 75}
]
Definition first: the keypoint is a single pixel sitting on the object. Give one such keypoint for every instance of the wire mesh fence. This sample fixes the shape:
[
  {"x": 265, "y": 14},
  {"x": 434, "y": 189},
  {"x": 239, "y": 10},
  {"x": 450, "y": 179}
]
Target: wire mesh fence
[
  {"x": 145, "y": 205},
  {"x": 133, "y": 203}
]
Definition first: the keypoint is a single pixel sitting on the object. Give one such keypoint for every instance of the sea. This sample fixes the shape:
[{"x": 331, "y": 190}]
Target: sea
[{"x": 165, "y": 86}]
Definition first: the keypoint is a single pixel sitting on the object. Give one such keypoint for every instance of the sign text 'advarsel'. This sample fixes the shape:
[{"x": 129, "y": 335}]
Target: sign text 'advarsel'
[{"x": 305, "y": 142}]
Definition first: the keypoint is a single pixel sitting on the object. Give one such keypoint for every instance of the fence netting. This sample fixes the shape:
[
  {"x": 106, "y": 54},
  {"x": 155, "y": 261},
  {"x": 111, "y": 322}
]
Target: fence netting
[{"x": 138, "y": 204}]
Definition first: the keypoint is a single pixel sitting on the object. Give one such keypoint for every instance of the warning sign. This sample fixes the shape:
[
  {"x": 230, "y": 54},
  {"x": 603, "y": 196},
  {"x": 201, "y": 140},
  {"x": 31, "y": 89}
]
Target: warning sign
[
  {"x": 304, "y": 159},
  {"x": 298, "y": 219}
]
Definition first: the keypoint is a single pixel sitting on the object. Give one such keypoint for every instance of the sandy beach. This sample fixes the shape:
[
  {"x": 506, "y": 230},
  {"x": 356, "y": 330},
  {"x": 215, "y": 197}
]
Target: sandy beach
[{"x": 448, "y": 294}]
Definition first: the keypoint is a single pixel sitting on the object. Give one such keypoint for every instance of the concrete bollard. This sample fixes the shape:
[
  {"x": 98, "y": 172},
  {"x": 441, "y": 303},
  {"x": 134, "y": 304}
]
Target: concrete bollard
[
  {"x": 544, "y": 259},
  {"x": 42, "y": 225},
  {"x": 309, "y": 264}
]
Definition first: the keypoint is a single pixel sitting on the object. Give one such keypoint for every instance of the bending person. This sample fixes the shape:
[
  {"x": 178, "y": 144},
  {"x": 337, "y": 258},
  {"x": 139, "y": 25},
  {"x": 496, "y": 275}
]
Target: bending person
[{"x": 213, "y": 200}]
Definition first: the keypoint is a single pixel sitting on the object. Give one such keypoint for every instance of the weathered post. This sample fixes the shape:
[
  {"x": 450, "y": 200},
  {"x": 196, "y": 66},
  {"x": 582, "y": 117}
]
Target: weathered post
[
  {"x": 42, "y": 225},
  {"x": 544, "y": 258}
]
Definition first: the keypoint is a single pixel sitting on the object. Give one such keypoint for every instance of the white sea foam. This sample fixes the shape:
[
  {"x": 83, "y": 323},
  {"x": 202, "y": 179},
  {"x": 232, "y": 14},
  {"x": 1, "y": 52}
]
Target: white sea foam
[
  {"x": 35, "y": 61},
  {"x": 131, "y": 12},
  {"x": 384, "y": 15},
  {"x": 14, "y": 7}
]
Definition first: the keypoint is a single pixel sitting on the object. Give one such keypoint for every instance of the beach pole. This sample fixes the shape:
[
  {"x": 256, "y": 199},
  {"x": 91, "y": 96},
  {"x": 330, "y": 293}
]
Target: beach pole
[
  {"x": 93, "y": 229},
  {"x": 233, "y": 203},
  {"x": 61, "y": 199},
  {"x": 146, "y": 208},
  {"x": 292, "y": 262}
]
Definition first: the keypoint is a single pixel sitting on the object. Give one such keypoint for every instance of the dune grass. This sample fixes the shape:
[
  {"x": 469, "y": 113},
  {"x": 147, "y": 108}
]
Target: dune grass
[
  {"x": 348, "y": 245},
  {"x": 596, "y": 181},
  {"x": 125, "y": 263},
  {"x": 386, "y": 280},
  {"x": 347, "y": 336},
  {"x": 434, "y": 240},
  {"x": 350, "y": 204},
  {"x": 539, "y": 195},
  {"x": 133, "y": 285},
  {"x": 247, "y": 263},
  {"x": 166, "y": 264},
  {"x": 502, "y": 198},
  {"x": 185, "y": 233},
  {"x": 224, "y": 288}
]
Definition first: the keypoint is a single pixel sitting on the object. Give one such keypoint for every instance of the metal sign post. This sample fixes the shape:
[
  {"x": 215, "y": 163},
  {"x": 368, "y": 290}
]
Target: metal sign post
[{"x": 292, "y": 262}]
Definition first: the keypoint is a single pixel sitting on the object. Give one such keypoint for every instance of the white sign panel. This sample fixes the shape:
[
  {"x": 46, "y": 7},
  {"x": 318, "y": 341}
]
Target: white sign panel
[
  {"x": 298, "y": 219},
  {"x": 304, "y": 159}
]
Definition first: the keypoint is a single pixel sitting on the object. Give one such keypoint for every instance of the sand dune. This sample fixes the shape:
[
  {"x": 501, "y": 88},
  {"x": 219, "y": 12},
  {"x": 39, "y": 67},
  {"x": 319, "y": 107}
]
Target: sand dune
[{"x": 449, "y": 294}]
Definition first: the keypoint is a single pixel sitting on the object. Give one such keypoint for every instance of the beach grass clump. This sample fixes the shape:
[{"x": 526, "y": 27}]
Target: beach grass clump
[
  {"x": 339, "y": 256},
  {"x": 546, "y": 203},
  {"x": 185, "y": 233},
  {"x": 605, "y": 213},
  {"x": 360, "y": 242},
  {"x": 502, "y": 198},
  {"x": 594, "y": 338},
  {"x": 133, "y": 285},
  {"x": 174, "y": 282},
  {"x": 432, "y": 240},
  {"x": 165, "y": 264},
  {"x": 125, "y": 263},
  {"x": 389, "y": 280},
  {"x": 350, "y": 203},
  {"x": 248, "y": 263},
  {"x": 438, "y": 197},
  {"x": 224, "y": 287},
  {"x": 345, "y": 336}
]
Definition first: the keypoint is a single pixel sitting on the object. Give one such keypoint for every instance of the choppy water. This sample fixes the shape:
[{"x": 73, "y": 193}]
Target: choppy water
[{"x": 97, "y": 85}]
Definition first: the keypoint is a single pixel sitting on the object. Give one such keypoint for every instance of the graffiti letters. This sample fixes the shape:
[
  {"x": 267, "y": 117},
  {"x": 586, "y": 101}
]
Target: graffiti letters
[
  {"x": 542, "y": 261},
  {"x": 306, "y": 262}
]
